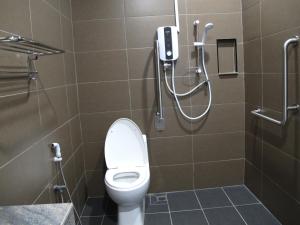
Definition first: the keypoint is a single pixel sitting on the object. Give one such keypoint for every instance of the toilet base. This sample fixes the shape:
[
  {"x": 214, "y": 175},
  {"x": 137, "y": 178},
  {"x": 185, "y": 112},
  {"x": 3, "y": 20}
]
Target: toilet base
[{"x": 133, "y": 215}]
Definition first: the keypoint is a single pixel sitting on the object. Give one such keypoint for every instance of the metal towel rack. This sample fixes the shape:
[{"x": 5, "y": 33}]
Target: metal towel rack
[
  {"x": 286, "y": 107},
  {"x": 29, "y": 47}
]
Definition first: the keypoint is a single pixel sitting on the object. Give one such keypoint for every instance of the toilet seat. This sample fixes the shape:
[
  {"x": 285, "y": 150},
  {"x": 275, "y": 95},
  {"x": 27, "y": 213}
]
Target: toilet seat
[
  {"x": 127, "y": 178},
  {"x": 125, "y": 145}
]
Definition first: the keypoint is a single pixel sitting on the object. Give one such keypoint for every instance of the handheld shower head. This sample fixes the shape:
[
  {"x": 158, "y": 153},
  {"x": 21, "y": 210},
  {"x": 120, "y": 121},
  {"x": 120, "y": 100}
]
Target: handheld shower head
[{"x": 207, "y": 27}]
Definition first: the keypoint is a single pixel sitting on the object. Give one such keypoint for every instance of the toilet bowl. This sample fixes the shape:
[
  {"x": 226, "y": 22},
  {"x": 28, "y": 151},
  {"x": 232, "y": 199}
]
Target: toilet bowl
[{"x": 128, "y": 176}]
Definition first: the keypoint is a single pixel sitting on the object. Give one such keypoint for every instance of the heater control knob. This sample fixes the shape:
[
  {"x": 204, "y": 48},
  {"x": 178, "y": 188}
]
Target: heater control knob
[{"x": 169, "y": 53}]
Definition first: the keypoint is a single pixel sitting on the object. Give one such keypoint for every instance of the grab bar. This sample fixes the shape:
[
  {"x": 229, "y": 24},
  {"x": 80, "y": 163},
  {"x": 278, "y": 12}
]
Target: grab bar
[
  {"x": 159, "y": 116},
  {"x": 286, "y": 107}
]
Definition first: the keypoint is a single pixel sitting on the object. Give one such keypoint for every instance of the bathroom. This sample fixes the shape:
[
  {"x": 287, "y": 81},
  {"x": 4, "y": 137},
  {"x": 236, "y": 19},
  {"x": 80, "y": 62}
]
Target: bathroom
[{"x": 87, "y": 84}]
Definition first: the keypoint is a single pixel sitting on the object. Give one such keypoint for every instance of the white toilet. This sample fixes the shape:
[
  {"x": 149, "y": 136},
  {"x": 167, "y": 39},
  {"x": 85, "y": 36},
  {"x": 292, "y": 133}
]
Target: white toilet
[{"x": 128, "y": 176}]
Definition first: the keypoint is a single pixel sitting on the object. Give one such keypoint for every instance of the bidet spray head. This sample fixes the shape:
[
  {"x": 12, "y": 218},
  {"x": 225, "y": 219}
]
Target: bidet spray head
[{"x": 56, "y": 148}]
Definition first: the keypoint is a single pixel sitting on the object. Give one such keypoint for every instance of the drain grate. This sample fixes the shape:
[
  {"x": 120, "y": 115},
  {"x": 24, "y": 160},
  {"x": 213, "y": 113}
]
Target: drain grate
[{"x": 158, "y": 199}]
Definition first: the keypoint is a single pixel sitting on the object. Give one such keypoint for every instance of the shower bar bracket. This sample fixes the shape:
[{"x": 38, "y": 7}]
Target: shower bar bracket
[{"x": 286, "y": 107}]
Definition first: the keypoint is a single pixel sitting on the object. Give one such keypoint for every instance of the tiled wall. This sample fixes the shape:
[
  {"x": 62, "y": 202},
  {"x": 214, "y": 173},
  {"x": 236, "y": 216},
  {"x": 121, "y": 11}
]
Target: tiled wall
[
  {"x": 34, "y": 114},
  {"x": 272, "y": 152},
  {"x": 114, "y": 55}
]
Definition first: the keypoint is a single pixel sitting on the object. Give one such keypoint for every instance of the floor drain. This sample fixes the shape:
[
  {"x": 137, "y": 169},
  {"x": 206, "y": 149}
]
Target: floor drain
[{"x": 158, "y": 199}]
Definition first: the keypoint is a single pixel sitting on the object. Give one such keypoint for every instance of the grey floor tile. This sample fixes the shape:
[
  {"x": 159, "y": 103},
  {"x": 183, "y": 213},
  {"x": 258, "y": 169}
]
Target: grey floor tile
[
  {"x": 154, "y": 206},
  {"x": 111, "y": 208},
  {"x": 110, "y": 220},
  {"x": 183, "y": 201},
  {"x": 157, "y": 219},
  {"x": 94, "y": 207},
  {"x": 213, "y": 197},
  {"x": 240, "y": 195},
  {"x": 223, "y": 216},
  {"x": 91, "y": 220},
  {"x": 195, "y": 217},
  {"x": 257, "y": 215}
]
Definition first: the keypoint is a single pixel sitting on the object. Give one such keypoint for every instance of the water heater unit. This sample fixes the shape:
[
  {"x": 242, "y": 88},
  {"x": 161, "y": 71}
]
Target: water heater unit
[{"x": 168, "y": 43}]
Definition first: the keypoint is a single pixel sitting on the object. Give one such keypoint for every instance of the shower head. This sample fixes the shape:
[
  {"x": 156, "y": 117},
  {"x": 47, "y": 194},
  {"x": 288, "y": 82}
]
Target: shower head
[{"x": 207, "y": 27}]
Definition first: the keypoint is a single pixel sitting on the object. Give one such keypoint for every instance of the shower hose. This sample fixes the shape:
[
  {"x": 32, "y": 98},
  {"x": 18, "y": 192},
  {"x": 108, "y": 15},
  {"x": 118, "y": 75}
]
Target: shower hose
[
  {"x": 69, "y": 194},
  {"x": 176, "y": 95}
]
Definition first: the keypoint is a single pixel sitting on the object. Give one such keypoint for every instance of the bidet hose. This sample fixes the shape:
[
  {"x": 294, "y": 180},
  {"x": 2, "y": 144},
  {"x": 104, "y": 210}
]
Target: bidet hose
[
  {"x": 176, "y": 95},
  {"x": 69, "y": 194}
]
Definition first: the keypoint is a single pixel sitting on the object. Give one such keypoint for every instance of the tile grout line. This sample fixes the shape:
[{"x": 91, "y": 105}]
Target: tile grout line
[
  {"x": 234, "y": 206},
  {"x": 201, "y": 208},
  {"x": 102, "y": 220},
  {"x": 169, "y": 209},
  {"x": 127, "y": 59},
  {"x": 77, "y": 90}
]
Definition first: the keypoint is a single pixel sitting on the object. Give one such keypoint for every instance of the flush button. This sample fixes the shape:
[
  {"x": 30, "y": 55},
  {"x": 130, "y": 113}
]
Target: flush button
[{"x": 169, "y": 53}]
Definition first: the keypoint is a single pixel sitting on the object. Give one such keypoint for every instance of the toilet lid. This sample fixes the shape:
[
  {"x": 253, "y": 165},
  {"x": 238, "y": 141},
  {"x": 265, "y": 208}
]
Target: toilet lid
[{"x": 124, "y": 145}]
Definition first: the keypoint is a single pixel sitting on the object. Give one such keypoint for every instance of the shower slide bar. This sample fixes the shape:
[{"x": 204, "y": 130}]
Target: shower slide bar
[
  {"x": 159, "y": 116},
  {"x": 286, "y": 107}
]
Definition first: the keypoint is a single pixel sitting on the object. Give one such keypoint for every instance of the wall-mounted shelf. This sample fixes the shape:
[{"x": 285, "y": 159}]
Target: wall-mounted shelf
[
  {"x": 29, "y": 47},
  {"x": 227, "y": 57}
]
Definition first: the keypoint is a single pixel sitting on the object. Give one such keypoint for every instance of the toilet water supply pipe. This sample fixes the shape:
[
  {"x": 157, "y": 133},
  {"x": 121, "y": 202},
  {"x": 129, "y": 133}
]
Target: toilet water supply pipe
[
  {"x": 58, "y": 159},
  {"x": 206, "y": 81}
]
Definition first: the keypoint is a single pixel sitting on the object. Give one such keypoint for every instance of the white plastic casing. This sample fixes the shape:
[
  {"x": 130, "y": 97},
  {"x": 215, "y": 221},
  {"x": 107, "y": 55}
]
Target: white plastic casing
[{"x": 168, "y": 43}]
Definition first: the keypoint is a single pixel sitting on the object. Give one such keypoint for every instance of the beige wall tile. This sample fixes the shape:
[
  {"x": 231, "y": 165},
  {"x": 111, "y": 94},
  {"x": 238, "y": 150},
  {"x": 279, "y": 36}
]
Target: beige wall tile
[
  {"x": 76, "y": 132},
  {"x": 94, "y": 156},
  {"x": 15, "y": 17},
  {"x": 95, "y": 126},
  {"x": 67, "y": 33},
  {"x": 46, "y": 26},
  {"x": 214, "y": 147},
  {"x": 221, "y": 118},
  {"x": 49, "y": 75},
  {"x": 136, "y": 8},
  {"x": 249, "y": 3},
  {"x": 104, "y": 97},
  {"x": 72, "y": 100},
  {"x": 165, "y": 178},
  {"x": 18, "y": 132},
  {"x": 53, "y": 107},
  {"x": 285, "y": 208},
  {"x": 223, "y": 173},
  {"x": 253, "y": 179},
  {"x": 251, "y": 22},
  {"x": 141, "y": 31},
  {"x": 253, "y": 89},
  {"x": 98, "y": 35},
  {"x": 175, "y": 125},
  {"x": 102, "y": 66},
  {"x": 209, "y": 6},
  {"x": 95, "y": 183},
  {"x": 227, "y": 89},
  {"x": 30, "y": 168},
  {"x": 279, "y": 15},
  {"x": 168, "y": 151},
  {"x": 66, "y": 8},
  {"x": 95, "y": 9}
]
